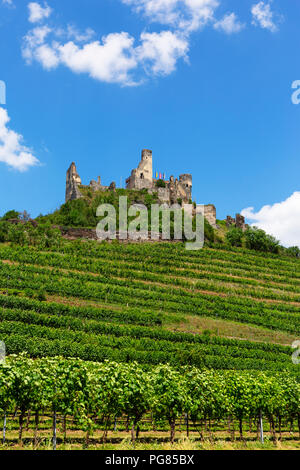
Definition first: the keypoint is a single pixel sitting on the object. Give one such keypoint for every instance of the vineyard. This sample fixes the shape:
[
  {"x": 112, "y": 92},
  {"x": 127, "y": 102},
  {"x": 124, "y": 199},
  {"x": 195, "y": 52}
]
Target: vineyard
[
  {"x": 134, "y": 303},
  {"x": 95, "y": 396},
  {"x": 210, "y": 331}
]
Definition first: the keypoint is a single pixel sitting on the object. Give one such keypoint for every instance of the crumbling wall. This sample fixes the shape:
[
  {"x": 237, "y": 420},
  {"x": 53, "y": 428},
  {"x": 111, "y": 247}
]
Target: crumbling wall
[
  {"x": 238, "y": 222},
  {"x": 210, "y": 213},
  {"x": 163, "y": 195},
  {"x": 73, "y": 180},
  {"x": 73, "y": 184},
  {"x": 184, "y": 188},
  {"x": 230, "y": 221}
]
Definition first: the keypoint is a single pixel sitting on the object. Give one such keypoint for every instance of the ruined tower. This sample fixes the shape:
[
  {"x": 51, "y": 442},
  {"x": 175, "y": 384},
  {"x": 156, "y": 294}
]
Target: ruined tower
[
  {"x": 185, "y": 187},
  {"x": 141, "y": 177},
  {"x": 73, "y": 180}
]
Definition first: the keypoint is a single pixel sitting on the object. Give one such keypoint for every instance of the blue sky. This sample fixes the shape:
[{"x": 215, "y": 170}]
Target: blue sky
[{"x": 205, "y": 84}]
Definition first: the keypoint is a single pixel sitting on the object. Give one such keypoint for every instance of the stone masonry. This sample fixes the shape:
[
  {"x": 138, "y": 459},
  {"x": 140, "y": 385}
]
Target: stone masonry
[
  {"x": 175, "y": 190},
  {"x": 238, "y": 222}
]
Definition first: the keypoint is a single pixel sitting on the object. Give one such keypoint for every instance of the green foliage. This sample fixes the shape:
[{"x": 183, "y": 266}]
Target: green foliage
[
  {"x": 160, "y": 184},
  {"x": 11, "y": 215},
  {"x": 257, "y": 239},
  {"x": 41, "y": 296},
  {"x": 87, "y": 391},
  {"x": 154, "y": 264},
  {"x": 124, "y": 292},
  {"x": 208, "y": 231},
  {"x": 4, "y": 229},
  {"x": 169, "y": 395},
  {"x": 23, "y": 234},
  {"x": 234, "y": 236},
  {"x": 222, "y": 223},
  {"x": 82, "y": 212},
  {"x": 293, "y": 252}
]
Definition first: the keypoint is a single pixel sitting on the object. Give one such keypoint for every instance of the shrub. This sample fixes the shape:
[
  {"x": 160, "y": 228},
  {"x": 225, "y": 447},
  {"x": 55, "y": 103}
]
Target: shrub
[
  {"x": 234, "y": 236},
  {"x": 293, "y": 252},
  {"x": 160, "y": 183},
  {"x": 209, "y": 234},
  {"x": 3, "y": 231},
  {"x": 257, "y": 239},
  {"x": 11, "y": 215}
]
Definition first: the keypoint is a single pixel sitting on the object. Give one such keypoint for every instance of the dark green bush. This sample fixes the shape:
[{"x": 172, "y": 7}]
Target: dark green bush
[
  {"x": 234, "y": 236},
  {"x": 160, "y": 184},
  {"x": 258, "y": 239},
  {"x": 293, "y": 252},
  {"x": 11, "y": 215}
]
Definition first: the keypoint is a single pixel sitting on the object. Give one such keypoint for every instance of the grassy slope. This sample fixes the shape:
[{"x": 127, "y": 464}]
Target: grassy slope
[{"x": 268, "y": 284}]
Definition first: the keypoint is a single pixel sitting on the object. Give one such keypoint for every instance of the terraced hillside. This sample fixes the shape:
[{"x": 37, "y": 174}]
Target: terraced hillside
[{"x": 153, "y": 303}]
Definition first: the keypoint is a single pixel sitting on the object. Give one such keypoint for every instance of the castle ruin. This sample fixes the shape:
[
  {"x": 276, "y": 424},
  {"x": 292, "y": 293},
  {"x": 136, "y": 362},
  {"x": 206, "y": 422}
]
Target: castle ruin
[
  {"x": 238, "y": 222},
  {"x": 172, "y": 191}
]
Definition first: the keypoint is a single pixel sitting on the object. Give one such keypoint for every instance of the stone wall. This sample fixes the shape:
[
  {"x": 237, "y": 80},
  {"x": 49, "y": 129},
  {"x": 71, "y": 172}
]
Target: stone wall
[
  {"x": 90, "y": 234},
  {"x": 163, "y": 195},
  {"x": 238, "y": 222},
  {"x": 210, "y": 214}
]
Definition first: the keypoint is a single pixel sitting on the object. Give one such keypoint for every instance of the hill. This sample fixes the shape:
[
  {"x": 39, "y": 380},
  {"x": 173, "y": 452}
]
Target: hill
[
  {"x": 81, "y": 213},
  {"x": 152, "y": 303}
]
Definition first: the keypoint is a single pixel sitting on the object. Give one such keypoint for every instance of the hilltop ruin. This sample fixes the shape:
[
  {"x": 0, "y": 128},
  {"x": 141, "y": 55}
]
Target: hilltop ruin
[{"x": 172, "y": 191}]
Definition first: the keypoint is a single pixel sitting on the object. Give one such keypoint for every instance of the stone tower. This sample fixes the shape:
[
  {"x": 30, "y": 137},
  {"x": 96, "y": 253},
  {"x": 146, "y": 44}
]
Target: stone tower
[
  {"x": 185, "y": 186},
  {"x": 141, "y": 177},
  {"x": 73, "y": 180}
]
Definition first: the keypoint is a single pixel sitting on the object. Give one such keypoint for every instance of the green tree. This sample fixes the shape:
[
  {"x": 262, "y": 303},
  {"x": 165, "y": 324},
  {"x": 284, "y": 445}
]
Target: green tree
[
  {"x": 258, "y": 239},
  {"x": 11, "y": 215},
  {"x": 234, "y": 236}
]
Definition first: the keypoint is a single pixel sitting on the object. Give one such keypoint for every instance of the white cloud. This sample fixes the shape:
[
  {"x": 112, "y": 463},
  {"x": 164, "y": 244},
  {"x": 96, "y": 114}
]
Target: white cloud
[
  {"x": 12, "y": 150},
  {"x": 37, "y": 13},
  {"x": 229, "y": 24},
  {"x": 282, "y": 220},
  {"x": 35, "y": 48},
  {"x": 114, "y": 59},
  {"x": 73, "y": 33},
  {"x": 186, "y": 15},
  {"x": 161, "y": 51},
  {"x": 37, "y": 36},
  {"x": 263, "y": 16},
  {"x": 47, "y": 56},
  {"x": 110, "y": 60},
  {"x": 119, "y": 57}
]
